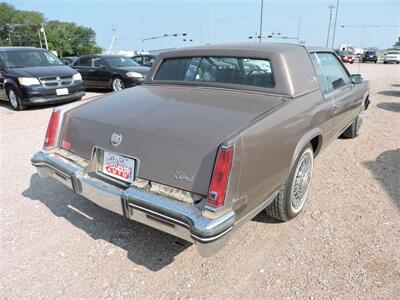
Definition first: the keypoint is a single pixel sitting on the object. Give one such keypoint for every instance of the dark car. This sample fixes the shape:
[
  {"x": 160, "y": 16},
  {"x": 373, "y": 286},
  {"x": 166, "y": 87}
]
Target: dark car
[
  {"x": 347, "y": 56},
  {"x": 369, "y": 56},
  {"x": 30, "y": 76},
  {"x": 68, "y": 60},
  {"x": 110, "y": 71},
  {"x": 145, "y": 59}
]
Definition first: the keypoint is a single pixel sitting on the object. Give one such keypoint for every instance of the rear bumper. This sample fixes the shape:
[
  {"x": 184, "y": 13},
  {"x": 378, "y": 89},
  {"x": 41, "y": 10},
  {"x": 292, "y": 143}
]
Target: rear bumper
[{"x": 168, "y": 215}]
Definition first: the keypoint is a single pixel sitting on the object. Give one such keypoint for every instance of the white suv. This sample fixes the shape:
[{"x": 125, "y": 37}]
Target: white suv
[{"x": 392, "y": 56}]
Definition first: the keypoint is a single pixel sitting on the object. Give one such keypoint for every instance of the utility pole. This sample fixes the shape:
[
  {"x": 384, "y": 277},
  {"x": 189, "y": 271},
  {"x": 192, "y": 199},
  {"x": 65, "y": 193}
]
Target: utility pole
[
  {"x": 334, "y": 26},
  {"x": 114, "y": 29},
  {"x": 9, "y": 38},
  {"x": 141, "y": 28},
  {"x": 211, "y": 22},
  {"x": 261, "y": 18},
  {"x": 40, "y": 38},
  {"x": 331, "y": 7},
  {"x": 45, "y": 38},
  {"x": 298, "y": 28}
]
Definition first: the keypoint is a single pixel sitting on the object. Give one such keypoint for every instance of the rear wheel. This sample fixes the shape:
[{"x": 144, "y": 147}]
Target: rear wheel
[
  {"x": 14, "y": 99},
  {"x": 293, "y": 194},
  {"x": 117, "y": 84}
]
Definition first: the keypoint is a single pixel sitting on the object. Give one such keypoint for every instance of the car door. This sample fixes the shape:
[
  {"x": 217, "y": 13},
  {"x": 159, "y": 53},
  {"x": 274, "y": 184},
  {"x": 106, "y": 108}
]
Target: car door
[
  {"x": 340, "y": 91},
  {"x": 101, "y": 74},
  {"x": 83, "y": 65}
]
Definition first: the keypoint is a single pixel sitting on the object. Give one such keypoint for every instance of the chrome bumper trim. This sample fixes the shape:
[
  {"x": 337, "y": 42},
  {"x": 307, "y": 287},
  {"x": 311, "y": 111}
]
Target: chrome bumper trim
[{"x": 180, "y": 219}]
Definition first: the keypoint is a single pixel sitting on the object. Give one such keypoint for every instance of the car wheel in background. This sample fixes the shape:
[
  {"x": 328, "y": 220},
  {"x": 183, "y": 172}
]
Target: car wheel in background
[
  {"x": 14, "y": 99},
  {"x": 117, "y": 84},
  {"x": 293, "y": 194}
]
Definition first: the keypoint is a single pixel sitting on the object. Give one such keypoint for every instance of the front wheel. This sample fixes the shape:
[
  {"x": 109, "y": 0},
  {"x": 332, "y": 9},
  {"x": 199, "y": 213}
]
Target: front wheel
[
  {"x": 354, "y": 129},
  {"x": 14, "y": 99},
  {"x": 117, "y": 84},
  {"x": 293, "y": 194}
]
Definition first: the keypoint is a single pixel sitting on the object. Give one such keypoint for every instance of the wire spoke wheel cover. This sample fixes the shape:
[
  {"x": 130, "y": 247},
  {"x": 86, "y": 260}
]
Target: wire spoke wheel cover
[{"x": 301, "y": 181}]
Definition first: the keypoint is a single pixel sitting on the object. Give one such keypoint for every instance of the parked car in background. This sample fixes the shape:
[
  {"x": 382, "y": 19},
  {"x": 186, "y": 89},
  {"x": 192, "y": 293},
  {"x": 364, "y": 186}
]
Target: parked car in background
[
  {"x": 110, "y": 71},
  {"x": 32, "y": 76},
  {"x": 346, "y": 56},
  {"x": 68, "y": 60},
  {"x": 369, "y": 56},
  {"x": 391, "y": 56},
  {"x": 206, "y": 144},
  {"x": 145, "y": 59}
]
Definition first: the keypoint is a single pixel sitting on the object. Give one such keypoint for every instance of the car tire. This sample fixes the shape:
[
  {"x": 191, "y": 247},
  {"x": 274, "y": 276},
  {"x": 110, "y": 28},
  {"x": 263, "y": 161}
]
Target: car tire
[
  {"x": 354, "y": 129},
  {"x": 117, "y": 84},
  {"x": 293, "y": 193},
  {"x": 14, "y": 98},
  {"x": 385, "y": 62}
]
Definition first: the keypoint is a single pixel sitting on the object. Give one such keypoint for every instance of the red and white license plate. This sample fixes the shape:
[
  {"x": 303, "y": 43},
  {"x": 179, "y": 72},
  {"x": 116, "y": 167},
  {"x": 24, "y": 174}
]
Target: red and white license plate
[{"x": 118, "y": 166}]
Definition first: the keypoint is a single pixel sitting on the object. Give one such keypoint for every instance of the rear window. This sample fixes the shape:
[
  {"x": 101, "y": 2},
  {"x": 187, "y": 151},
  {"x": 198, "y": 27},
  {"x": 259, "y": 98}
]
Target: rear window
[{"x": 226, "y": 70}]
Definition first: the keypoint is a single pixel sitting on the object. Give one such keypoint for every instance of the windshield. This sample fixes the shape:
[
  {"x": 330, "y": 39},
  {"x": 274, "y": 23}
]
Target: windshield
[
  {"x": 30, "y": 58},
  {"x": 228, "y": 70},
  {"x": 120, "y": 61},
  {"x": 393, "y": 52}
]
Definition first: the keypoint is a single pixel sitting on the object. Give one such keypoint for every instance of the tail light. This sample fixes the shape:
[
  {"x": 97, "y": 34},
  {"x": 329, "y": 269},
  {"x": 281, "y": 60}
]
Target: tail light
[
  {"x": 52, "y": 128},
  {"x": 219, "y": 180}
]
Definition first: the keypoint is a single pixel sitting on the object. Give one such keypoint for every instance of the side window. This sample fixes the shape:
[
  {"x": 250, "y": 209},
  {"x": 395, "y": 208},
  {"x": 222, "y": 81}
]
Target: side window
[
  {"x": 148, "y": 60},
  {"x": 321, "y": 77},
  {"x": 2, "y": 61},
  {"x": 84, "y": 62},
  {"x": 97, "y": 62},
  {"x": 335, "y": 73},
  {"x": 138, "y": 59}
]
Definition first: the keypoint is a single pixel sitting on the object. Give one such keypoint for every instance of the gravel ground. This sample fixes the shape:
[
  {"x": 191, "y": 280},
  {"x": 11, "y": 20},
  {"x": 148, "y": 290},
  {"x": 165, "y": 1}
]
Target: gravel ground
[{"x": 344, "y": 245}]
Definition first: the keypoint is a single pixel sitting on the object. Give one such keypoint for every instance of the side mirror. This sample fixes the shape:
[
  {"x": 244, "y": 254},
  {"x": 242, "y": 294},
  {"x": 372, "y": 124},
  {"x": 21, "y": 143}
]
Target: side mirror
[{"x": 356, "y": 78}]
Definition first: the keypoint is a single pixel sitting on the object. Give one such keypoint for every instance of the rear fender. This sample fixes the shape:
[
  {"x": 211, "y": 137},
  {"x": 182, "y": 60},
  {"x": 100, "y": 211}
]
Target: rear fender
[{"x": 304, "y": 141}]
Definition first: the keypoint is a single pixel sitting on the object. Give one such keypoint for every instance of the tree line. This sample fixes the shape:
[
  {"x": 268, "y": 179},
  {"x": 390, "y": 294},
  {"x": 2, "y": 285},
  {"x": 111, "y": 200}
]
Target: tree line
[{"x": 23, "y": 28}]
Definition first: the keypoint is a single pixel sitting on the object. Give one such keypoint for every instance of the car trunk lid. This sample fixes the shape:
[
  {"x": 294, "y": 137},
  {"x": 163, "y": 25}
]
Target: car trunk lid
[{"x": 174, "y": 132}]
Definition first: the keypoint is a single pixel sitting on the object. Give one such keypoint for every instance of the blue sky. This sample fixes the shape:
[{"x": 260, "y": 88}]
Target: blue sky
[{"x": 233, "y": 21}]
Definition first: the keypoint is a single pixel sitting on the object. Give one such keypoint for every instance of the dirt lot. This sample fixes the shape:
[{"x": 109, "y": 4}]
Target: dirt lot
[{"x": 344, "y": 245}]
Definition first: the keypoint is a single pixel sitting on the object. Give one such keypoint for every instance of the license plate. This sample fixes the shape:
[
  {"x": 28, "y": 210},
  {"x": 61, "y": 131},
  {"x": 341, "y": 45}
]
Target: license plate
[
  {"x": 118, "y": 166},
  {"x": 61, "y": 92}
]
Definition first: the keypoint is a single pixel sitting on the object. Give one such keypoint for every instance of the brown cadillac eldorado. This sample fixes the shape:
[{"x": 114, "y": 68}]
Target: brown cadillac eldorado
[{"x": 214, "y": 136}]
